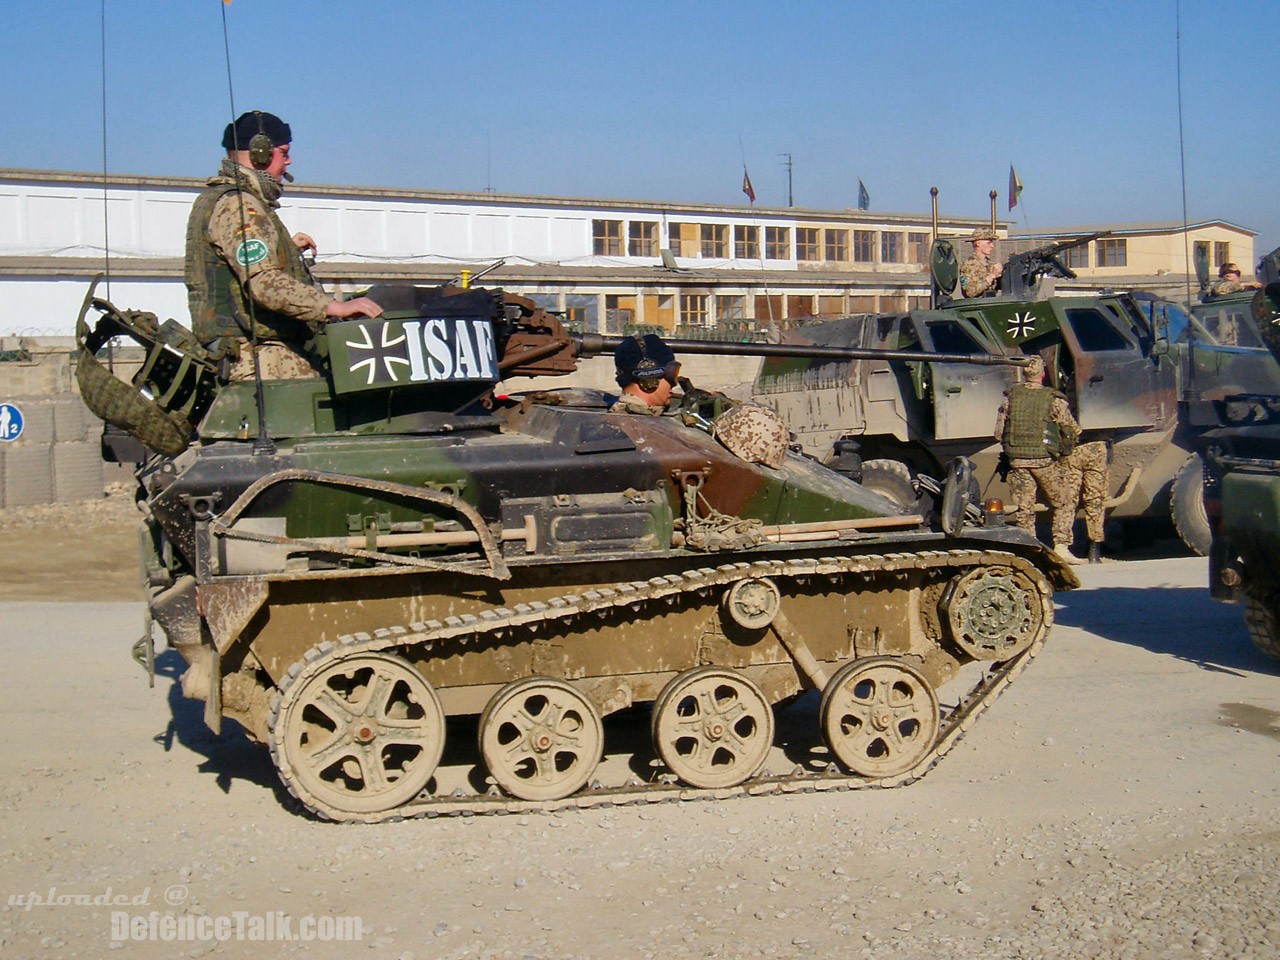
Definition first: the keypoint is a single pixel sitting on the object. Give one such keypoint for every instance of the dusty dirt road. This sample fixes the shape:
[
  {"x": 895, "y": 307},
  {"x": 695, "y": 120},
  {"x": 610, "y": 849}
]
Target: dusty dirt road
[{"x": 1118, "y": 801}]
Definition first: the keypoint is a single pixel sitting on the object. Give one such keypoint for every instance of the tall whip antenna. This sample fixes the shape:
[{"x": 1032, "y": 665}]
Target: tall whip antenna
[
  {"x": 106, "y": 219},
  {"x": 262, "y": 444},
  {"x": 1193, "y": 392}
]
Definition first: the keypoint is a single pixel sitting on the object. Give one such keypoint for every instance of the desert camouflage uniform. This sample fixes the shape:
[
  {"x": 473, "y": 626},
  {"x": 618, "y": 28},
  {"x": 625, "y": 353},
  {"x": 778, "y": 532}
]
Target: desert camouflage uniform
[
  {"x": 1027, "y": 474},
  {"x": 1084, "y": 475},
  {"x": 974, "y": 276},
  {"x": 1220, "y": 288},
  {"x": 629, "y": 403},
  {"x": 754, "y": 433},
  {"x": 236, "y": 244}
]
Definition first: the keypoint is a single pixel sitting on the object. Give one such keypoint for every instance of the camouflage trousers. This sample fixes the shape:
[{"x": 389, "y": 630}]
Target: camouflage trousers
[
  {"x": 1085, "y": 481},
  {"x": 277, "y": 361},
  {"x": 1054, "y": 479}
]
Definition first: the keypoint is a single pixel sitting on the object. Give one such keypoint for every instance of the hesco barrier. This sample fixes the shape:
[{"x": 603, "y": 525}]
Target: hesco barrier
[{"x": 58, "y": 457}]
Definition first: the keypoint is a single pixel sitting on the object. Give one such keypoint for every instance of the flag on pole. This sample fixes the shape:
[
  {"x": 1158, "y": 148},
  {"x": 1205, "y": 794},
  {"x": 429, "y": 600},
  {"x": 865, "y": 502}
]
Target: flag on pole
[
  {"x": 1015, "y": 187},
  {"x": 749, "y": 190},
  {"x": 864, "y": 198}
]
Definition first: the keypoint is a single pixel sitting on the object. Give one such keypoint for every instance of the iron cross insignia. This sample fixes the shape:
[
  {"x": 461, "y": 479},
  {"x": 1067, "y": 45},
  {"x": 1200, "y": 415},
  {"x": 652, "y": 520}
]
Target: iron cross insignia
[
  {"x": 376, "y": 352},
  {"x": 1021, "y": 325}
]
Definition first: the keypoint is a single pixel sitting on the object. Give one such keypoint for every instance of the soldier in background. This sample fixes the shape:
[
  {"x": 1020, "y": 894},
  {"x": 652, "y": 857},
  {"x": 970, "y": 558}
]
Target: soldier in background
[
  {"x": 979, "y": 277},
  {"x": 1229, "y": 281},
  {"x": 1085, "y": 479},
  {"x": 241, "y": 262},
  {"x": 1037, "y": 430}
]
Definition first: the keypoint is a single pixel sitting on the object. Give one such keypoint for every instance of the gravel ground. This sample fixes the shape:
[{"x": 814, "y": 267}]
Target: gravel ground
[{"x": 1118, "y": 801}]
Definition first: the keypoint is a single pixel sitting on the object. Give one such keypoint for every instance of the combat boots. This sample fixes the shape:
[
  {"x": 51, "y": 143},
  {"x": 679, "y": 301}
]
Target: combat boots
[{"x": 1067, "y": 556}]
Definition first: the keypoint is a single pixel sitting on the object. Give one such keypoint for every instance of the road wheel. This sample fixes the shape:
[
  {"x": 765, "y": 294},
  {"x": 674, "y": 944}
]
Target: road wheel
[
  {"x": 879, "y": 717},
  {"x": 1262, "y": 618},
  {"x": 712, "y": 727},
  {"x": 892, "y": 480},
  {"x": 1187, "y": 506},
  {"x": 541, "y": 739}
]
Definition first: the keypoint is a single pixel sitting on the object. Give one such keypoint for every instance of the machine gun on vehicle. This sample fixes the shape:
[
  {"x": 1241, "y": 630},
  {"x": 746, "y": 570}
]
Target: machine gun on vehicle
[{"x": 1022, "y": 271}]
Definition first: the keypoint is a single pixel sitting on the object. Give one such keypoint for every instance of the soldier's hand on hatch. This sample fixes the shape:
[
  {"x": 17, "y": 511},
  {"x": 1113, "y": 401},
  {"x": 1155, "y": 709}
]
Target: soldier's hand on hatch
[
  {"x": 997, "y": 269},
  {"x": 359, "y": 307},
  {"x": 304, "y": 242}
]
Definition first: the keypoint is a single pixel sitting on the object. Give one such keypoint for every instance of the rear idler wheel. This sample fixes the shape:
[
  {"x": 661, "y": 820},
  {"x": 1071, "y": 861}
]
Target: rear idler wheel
[
  {"x": 363, "y": 734},
  {"x": 879, "y": 717},
  {"x": 541, "y": 739}
]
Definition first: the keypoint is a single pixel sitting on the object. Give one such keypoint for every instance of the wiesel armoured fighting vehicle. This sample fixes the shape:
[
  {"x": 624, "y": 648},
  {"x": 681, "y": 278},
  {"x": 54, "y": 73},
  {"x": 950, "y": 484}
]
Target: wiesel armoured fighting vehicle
[
  {"x": 1119, "y": 357},
  {"x": 1238, "y": 438},
  {"x": 346, "y": 562}
]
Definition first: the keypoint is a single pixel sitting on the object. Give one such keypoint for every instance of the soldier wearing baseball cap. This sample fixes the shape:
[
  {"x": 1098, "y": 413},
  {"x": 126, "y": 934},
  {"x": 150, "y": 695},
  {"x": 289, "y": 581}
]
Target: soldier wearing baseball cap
[
  {"x": 647, "y": 372},
  {"x": 979, "y": 277}
]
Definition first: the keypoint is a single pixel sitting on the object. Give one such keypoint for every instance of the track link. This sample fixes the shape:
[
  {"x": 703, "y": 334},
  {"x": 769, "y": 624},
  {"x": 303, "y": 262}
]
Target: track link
[{"x": 513, "y": 625}]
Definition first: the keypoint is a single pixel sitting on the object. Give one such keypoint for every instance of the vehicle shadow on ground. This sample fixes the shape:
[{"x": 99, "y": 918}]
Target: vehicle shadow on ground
[
  {"x": 1180, "y": 622},
  {"x": 229, "y": 755}
]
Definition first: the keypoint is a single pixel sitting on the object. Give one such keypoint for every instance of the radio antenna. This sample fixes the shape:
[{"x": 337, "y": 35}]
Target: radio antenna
[{"x": 262, "y": 445}]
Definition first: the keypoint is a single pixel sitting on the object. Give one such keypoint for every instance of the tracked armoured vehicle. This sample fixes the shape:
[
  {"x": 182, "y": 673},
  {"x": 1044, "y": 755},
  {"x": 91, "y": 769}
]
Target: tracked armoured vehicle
[{"x": 347, "y": 564}]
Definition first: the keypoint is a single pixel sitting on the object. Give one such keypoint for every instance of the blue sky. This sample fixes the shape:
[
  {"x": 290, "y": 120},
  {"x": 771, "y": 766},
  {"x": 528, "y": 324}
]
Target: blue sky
[{"x": 661, "y": 100}]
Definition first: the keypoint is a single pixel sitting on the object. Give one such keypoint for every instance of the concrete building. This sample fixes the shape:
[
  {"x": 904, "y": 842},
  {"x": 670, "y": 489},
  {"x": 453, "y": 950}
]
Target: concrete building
[{"x": 604, "y": 263}]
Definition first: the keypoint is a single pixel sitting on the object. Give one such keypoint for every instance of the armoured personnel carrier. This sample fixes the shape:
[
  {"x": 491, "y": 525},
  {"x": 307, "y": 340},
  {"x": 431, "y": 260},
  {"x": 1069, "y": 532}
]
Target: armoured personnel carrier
[
  {"x": 348, "y": 563},
  {"x": 1120, "y": 358},
  {"x": 1238, "y": 440}
]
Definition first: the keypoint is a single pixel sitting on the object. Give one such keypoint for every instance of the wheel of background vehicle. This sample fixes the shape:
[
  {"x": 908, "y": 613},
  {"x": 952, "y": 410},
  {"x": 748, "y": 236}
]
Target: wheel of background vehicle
[
  {"x": 1262, "y": 618},
  {"x": 960, "y": 491},
  {"x": 361, "y": 735},
  {"x": 892, "y": 480},
  {"x": 1186, "y": 504},
  {"x": 541, "y": 739},
  {"x": 712, "y": 727},
  {"x": 879, "y": 717}
]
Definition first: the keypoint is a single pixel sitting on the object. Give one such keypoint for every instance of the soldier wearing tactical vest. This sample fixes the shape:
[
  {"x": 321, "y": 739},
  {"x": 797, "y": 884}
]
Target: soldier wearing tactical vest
[
  {"x": 244, "y": 272},
  {"x": 1037, "y": 429}
]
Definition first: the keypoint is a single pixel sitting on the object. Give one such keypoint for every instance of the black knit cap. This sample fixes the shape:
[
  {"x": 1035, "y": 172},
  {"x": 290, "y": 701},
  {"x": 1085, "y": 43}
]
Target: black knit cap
[
  {"x": 238, "y": 134},
  {"x": 645, "y": 359}
]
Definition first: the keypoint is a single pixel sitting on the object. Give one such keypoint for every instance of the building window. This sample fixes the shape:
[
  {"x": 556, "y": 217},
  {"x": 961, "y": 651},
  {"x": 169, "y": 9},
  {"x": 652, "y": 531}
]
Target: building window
[
  {"x": 830, "y": 306},
  {"x": 642, "y": 238},
  {"x": 606, "y": 237},
  {"x": 1076, "y": 257},
  {"x": 746, "y": 242},
  {"x": 917, "y": 248},
  {"x": 1113, "y": 253},
  {"x": 837, "y": 245},
  {"x": 715, "y": 241},
  {"x": 731, "y": 309},
  {"x": 807, "y": 243},
  {"x": 864, "y": 245},
  {"x": 682, "y": 238},
  {"x": 1221, "y": 253},
  {"x": 890, "y": 247},
  {"x": 799, "y": 306},
  {"x": 619, "y": 312},
  {"x": 777, "y": 243},
  {"x": 693, "y": 310}
]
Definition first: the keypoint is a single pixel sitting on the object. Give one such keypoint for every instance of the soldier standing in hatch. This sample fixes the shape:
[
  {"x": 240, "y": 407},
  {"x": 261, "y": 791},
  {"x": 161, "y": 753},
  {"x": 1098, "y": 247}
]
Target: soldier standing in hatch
[
  {"x": 1229, "y": 281},
  {"x": 242, "y": 263},
  {"x": 978, "y": 275},
  {"x": 1036, "y": 427}
]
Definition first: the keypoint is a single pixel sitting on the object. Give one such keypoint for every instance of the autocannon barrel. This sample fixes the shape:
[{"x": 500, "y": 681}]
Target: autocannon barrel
[{"x": 590, "y": 345}]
